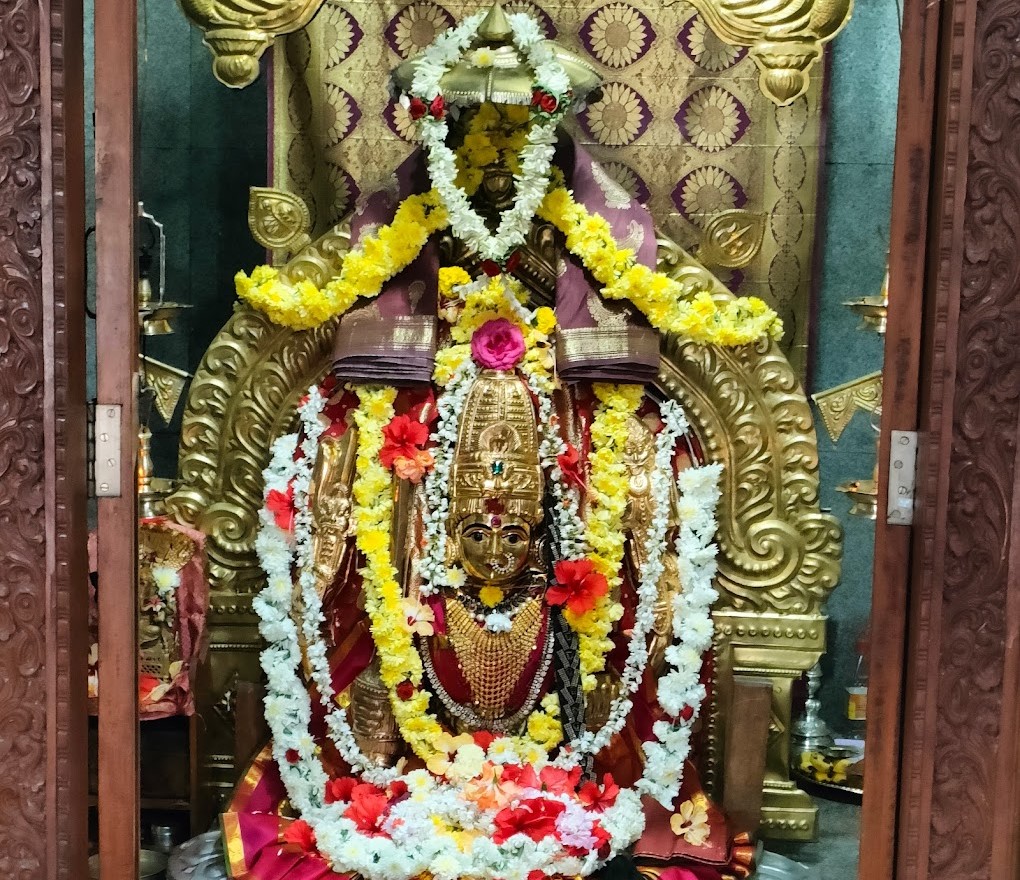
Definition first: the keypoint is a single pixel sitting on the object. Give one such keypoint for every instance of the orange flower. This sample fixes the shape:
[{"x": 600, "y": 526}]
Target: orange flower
[
  {"x": 414, "y": 467},
  {"x": 486, "y": 791}
]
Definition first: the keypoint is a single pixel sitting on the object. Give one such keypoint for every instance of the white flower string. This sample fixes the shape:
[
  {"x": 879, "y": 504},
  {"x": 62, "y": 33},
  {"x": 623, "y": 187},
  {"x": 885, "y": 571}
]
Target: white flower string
[
  {"x": 411, "y": 847},
  {"x": 680, "y": 691},
  {"x": 536, "y": 156},
  {"x": 432, "y": 566}
]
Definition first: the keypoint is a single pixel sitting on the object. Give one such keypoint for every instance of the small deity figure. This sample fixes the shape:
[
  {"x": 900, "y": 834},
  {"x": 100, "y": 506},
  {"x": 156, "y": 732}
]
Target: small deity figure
[{"x": 489, "y": 550}]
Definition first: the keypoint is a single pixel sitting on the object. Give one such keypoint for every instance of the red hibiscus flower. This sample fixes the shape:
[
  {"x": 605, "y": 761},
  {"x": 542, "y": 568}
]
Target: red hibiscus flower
[
  {"x": 535, "y": 818},
  {"x": 437, "y": 107},
  {"x": 599, "y": 799},
  {"x": 339, "y": 790},
  {"x": 368, "y": 804},
  {"x": 559, "y": 781},
  {"x": 300, "y": 836},
  {"x": 523, "y": 777},
  {"x": 281, "y": 506},
  {"x": 402, "y": 438},
  {"x": 578, "y": 585},
  {"x": 483, "y": 739},
  {"x": 603, "y": 838},
  {"x": 570, "y": 466},
  {"x": 417, "y": 108}
]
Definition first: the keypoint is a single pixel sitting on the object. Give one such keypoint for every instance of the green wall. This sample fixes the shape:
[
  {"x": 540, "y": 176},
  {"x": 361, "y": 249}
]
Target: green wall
[
  {"x": 200, "y": 147},
  {"x": 855, "y": 240}
]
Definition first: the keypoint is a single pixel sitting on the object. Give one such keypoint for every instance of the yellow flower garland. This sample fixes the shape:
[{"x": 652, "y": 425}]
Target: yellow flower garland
[
  {"x": 660, "y": 298},
  {"x": 607, "y": 492},
  {"x": 365, "y": 270},
  {"x": 373, "y": 498},
  {"x": 384, "y": 600}
]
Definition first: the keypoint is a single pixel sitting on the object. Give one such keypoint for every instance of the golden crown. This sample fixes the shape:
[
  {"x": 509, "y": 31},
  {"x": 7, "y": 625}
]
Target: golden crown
[{"x": 496, "y": 468}]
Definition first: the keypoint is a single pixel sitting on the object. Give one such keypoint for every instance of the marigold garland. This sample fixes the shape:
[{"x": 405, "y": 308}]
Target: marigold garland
[
  {"x": 604, "y": 535},
  {"x": 400, "y": 662},
  {"x": 365, "y": 270},
  {"x": 660, "y": 298},
  {"x": 384, "y": 599}
]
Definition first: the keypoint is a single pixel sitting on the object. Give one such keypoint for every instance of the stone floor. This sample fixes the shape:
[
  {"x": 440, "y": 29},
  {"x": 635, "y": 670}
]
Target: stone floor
[{"x": 834, "y": 854}]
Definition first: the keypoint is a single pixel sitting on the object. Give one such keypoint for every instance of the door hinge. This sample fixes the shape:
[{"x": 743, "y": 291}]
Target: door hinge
[
  {"x": 902, "y": 478},
  {"x": 106, "y": 455}
]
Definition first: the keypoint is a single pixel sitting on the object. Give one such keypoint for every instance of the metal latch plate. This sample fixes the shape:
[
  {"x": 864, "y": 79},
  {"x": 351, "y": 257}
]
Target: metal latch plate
[
  {"x": 902, "y": 477},
  {"x": 107, "y": 463}
]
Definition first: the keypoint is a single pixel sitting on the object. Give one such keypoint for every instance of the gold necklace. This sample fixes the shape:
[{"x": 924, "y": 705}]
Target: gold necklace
[{"x": 492, "y": 663}]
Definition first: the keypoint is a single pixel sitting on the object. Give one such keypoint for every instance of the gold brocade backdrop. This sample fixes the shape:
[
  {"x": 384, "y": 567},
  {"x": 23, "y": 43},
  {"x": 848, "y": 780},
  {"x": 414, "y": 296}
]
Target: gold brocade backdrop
[{"x": 682, "y": 125}]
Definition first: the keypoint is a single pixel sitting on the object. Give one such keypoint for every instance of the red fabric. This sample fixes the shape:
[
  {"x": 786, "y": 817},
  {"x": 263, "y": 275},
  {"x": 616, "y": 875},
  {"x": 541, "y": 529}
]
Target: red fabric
[{"x": 192, "y": 605}]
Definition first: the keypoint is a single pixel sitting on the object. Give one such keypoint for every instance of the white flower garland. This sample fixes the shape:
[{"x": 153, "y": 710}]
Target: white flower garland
[
  {"x": 413, "y": 847},
  {"x": 680, "y": 689},
  {"x": 536, "y": 156},
  {"x": 432, "y": 567}
]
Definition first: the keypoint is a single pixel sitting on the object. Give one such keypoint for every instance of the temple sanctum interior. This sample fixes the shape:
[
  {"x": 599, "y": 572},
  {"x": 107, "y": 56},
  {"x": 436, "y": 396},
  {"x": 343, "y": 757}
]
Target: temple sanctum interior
[{"x": 472, "y": 440}]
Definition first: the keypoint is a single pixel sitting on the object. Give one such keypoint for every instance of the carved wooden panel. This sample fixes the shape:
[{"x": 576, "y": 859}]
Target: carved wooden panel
[
  {"x": 42, "y": 789},
  {"x": 22, "y": 530},
  {"x": 961, "y": 692},
  {"x": 976, "y": 574}
]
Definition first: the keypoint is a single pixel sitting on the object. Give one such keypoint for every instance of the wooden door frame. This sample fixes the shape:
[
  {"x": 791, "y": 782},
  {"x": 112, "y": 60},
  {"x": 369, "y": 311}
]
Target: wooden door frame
[{"x": 44, "y": 600}]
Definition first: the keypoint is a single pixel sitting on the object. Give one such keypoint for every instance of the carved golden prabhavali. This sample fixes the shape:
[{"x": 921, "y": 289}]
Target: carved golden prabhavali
[
  {"x": 785, "y": 37},
  {"x": 779, "y": 555}
]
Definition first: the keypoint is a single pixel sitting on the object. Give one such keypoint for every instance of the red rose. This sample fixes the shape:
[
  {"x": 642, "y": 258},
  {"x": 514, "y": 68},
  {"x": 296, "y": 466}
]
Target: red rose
[
  {"x": 368, "y": 804},
  {"x": 536, "y": 97},
  {"x": 599, "y": 799},
  {"x": 292, "y": 756},
  {"x": 405, "y": 690},
  {"x": 497, "y": 345},
  {"x": 491, "y": 268},
  {"x": 281, "y": 506},
  {"x": 437, "y": 107},
  {"x": 339, "y": 790},
  {"x": 687, "y": 713},
  {"x": 417, "y": 108},
  {"x": 536, "y": 875},
  {"x": 548, "y": 103},
  {"x": 534, "y": 817},
  {"x": 396, "y": 789},
  {"x": 578, "y": 585},
  {"x": 513, "y": 261},
  {"x": 299, "y": 835},
  {"x": 570, "y": 466},
  {"x": 402, "y": 438},
  {"x": 559, "y": 781}
]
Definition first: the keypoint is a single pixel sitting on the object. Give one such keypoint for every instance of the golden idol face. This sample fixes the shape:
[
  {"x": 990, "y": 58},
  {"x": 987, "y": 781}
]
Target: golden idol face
[{"x": 494, "y": 549}]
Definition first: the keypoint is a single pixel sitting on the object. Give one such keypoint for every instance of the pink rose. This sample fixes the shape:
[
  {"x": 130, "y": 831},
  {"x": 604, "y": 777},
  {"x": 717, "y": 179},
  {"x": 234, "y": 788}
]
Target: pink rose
[{"x": 497, "y": 345}]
